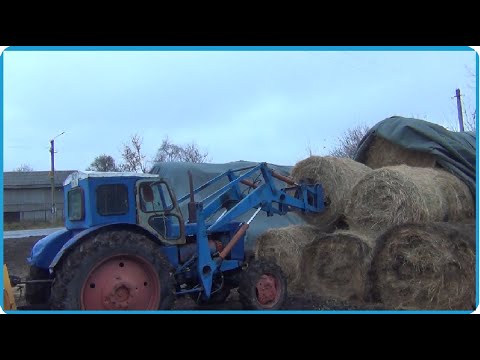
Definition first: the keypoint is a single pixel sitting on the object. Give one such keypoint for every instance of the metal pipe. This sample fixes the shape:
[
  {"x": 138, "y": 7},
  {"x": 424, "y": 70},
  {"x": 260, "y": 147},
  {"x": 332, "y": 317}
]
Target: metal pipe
[
  {"x": 228, "y": 187},
  {"x": 218, "y": 219},
  {"x": 249, "y": 183},
  {"x": 238, "y": 235},
  {"x": 35, "y": 281},
  {"x": 214, "y": 180},
  {"x": 244, "y": 168},
  {"x": 288, "y": 180},
  {"x": 255, "y": 214}
]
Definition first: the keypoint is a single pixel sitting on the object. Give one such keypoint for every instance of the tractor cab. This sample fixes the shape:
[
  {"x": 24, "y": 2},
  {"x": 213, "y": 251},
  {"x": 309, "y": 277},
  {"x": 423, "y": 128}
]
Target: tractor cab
[{"x": 101, "y": 198}]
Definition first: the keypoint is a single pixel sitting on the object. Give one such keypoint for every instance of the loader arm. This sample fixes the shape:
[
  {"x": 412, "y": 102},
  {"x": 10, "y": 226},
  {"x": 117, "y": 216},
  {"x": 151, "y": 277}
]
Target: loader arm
[
  {"x": 266, "y": 196},
  {"x": 308, "y": 198}
]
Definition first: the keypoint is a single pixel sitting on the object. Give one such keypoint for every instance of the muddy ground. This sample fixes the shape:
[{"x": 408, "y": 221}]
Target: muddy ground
[{"x": 17, "y": 250}]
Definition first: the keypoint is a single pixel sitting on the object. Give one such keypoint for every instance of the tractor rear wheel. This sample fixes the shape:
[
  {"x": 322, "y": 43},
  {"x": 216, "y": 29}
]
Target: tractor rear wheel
[
  {"x": 114, "y": 270},
  {"x": 263, "y": 286}
]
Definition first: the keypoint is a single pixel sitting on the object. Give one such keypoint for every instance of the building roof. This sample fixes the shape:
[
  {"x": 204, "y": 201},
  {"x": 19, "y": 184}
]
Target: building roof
[
  {"x": 33, "y": 179},
  {"x": 79, "y": 175}
]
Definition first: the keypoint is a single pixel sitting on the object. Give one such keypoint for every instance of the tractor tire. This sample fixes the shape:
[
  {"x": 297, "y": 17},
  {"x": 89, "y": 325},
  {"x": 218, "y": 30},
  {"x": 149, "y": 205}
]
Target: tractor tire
[
  {"x": 38, "y": 295},
  {"x": 114, "y": 270},
  {"x": 263, "y": 286}
]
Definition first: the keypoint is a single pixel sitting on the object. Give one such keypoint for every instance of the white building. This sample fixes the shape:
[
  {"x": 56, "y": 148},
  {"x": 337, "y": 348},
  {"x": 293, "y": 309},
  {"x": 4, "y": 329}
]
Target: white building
[{"x": 27, "y": 196}]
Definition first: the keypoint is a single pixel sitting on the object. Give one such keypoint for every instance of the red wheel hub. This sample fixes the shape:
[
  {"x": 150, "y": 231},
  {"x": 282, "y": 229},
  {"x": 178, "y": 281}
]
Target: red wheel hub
[
  {"x": 268, "y": 290},
  {"x": 121, "y": 282}
]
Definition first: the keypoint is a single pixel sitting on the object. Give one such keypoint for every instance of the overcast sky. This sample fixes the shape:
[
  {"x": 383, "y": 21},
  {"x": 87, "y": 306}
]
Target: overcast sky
[{"x": 236, "y": 105}]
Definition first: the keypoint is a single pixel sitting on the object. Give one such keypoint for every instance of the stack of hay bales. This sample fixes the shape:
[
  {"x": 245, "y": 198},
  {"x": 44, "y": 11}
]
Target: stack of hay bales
[
  {"x": 319, "y": 259},
  {"x": 423, "y": 220},
  {"x": 355, "y": 249}
]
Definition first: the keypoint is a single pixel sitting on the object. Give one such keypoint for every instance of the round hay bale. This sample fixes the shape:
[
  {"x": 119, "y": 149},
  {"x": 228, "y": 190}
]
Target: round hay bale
[
  {"x": 284, "y": 246},
  {"x": 382, "y": 153},
  {"x": 337, "y": 176},
  {"x": 459, "y": 200},
  {"x": 336, "y": 266},
  {"x": 402, "y": 194},
  {"x": 425, "y": 267}
]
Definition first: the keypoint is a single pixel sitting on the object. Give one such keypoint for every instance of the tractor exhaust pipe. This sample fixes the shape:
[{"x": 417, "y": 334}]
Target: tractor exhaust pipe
[{"x": 192, "y": 206}]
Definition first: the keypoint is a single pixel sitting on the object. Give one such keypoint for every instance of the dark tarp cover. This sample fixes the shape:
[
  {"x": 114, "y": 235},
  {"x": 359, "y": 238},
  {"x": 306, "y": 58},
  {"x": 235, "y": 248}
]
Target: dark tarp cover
[
  {"x": 177, "y": 175},
  {"x": 453, "y": 151}
]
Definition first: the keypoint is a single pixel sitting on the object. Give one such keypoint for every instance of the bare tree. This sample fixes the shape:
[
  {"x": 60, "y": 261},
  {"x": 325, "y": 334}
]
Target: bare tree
[
  {"x": 168, "y": 152},
  {"x": 469, "y": 119},
  {"x": 347, "y": 144},
  {"x": 103, "y": 163},
  {"x": 132, "y": 155},
  {"x": 470, "y": 123},
  {"x": 24, "y": 168}
]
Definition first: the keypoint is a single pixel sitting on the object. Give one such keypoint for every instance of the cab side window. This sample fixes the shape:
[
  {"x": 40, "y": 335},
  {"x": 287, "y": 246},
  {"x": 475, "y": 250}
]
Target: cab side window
[
  {"x": 76, "y": 206},
  {"x": 155, "y": 197}
]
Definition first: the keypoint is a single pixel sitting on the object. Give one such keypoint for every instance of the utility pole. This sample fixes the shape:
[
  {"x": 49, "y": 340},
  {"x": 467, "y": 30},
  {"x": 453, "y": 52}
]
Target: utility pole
[
  {"x": 52, "y": 176},
  {"x": 459, "y": 109}
]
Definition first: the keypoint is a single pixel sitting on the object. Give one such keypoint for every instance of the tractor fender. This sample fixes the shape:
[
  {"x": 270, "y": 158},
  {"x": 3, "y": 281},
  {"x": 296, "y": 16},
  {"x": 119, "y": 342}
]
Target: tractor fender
[
  {"x": 45, "y": 249},
  {"x": 72, "y": 241},
  {"x": 83, "y": 234}
]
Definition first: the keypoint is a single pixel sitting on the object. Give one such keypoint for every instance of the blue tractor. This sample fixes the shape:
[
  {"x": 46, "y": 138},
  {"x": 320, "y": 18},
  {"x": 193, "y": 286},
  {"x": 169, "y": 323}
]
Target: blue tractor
[{"x": 126, "y": 245}]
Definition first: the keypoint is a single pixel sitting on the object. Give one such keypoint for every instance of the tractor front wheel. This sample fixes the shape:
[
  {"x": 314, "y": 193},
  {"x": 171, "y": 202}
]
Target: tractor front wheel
[
  {"x": 113, "y": 270},
  {"x": 263, "y": 286}
]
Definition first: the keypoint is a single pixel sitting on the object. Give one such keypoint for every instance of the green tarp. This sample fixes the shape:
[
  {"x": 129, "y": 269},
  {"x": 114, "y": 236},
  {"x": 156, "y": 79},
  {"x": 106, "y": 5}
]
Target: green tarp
[{"x": 454, "y": 151}]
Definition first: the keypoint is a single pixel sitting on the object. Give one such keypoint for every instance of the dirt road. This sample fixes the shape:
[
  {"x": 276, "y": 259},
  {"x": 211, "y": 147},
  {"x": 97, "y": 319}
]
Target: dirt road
[{"x": 17, "y": 234}]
